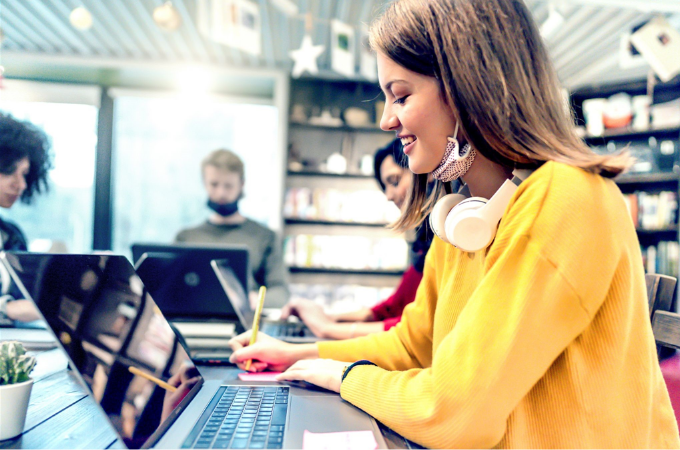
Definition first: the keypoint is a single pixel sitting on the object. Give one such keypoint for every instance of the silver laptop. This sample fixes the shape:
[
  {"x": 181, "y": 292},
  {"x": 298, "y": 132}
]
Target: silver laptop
[
  {"x": 287, "y": 331},
  {"x": 99, "y": 310}
]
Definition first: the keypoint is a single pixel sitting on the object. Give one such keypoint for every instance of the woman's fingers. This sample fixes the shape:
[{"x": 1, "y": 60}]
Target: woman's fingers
[{"x": 240, "y": 341}]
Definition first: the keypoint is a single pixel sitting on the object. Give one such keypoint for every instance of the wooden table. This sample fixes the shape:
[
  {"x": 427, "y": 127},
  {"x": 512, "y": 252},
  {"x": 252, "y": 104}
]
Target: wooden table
[{"x": 62, "y": 415}]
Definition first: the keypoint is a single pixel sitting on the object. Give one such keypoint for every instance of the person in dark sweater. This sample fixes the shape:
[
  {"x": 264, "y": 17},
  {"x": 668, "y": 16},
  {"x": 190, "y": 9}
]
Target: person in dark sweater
[
  {"x": 24, "y": 165},
  {"x": 223, "y": 177},
  {"x": 392, "y": 175}
]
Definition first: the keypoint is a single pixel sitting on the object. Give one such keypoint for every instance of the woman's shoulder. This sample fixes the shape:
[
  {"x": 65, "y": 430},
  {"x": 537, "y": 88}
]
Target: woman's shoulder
[
  {"x": 561, "y": 187},
  {"x": 559, "y": 199}
]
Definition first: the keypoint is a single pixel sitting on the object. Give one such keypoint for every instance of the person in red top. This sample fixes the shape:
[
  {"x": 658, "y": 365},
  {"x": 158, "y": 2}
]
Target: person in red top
[{"x": 394, "y": 180}]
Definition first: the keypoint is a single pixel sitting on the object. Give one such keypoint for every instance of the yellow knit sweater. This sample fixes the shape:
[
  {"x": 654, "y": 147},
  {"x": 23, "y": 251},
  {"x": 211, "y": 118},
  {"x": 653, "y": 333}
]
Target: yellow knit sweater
[{"x": 544, "y": 340}]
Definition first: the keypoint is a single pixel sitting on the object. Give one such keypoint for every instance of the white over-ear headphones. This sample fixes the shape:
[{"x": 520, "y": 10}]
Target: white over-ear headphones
[{"x": 470, "y": 223}]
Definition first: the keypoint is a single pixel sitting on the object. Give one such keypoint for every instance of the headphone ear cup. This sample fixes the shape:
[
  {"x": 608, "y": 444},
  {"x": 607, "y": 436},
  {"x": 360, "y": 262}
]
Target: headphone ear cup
[
  {"x": 466, "y": 227},
  {"x": 441, "y": 209}
]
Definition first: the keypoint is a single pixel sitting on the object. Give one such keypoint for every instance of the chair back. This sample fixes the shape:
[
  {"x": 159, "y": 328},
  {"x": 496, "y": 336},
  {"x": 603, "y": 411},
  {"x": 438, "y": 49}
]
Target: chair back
[
  {"x": 665, "y": 323},
  {"x": 660, "y": 290}
]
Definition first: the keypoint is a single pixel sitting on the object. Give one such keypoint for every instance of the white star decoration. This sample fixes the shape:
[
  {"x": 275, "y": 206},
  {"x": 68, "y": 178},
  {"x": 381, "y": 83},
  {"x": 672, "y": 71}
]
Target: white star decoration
[{"x": 305, "y": 57}]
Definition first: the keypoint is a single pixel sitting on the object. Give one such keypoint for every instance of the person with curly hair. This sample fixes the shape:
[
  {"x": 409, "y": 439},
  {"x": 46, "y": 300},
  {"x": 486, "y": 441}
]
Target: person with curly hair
[{"x": 24, "y": 165}]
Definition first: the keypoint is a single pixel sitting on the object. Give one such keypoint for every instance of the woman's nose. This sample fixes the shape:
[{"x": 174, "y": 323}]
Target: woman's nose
[
  {"x": 389, "y": 120},
  {"x": 20, "y": 181}
]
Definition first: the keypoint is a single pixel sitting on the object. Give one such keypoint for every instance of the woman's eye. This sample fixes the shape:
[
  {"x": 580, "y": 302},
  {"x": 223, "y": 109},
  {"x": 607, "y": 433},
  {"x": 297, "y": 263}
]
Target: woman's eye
[{"x": 400, "y": 100}]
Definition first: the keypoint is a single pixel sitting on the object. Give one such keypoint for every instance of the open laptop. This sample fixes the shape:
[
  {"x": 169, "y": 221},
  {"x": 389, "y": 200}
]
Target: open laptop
[
  {"x": 181, "y": 281},
  {"x": 284, "y": 330},
  {"x": 100, "y": 312}
]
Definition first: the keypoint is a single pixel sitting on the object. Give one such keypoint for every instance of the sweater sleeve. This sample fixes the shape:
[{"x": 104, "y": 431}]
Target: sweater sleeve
[
  {"x": 405, "y": 293},
  {"x": 519, "y": 319},
  {"x": 404, "y": 346}
]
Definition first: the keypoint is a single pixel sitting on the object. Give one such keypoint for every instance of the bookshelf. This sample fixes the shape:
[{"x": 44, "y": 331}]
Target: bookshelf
[
  {"x": 336, "y": 241},
  {"x": 652, "y": 189}
]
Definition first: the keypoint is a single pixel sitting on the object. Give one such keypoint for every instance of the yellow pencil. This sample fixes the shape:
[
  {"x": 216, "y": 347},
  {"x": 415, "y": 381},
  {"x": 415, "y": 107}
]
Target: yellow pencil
[
  {"x": 256, "y": 322},
  {"x": 161, "y": 383}
]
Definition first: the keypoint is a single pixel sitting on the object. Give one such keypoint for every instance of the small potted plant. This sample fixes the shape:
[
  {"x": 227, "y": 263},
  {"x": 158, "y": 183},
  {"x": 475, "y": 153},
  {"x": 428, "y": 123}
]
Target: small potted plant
[{"x": 15, "y": 388}]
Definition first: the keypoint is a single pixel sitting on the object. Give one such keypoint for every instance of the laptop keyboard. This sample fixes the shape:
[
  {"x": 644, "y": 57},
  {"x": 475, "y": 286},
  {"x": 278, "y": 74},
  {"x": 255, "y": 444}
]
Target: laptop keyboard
[{"x": 242, "y": 417}]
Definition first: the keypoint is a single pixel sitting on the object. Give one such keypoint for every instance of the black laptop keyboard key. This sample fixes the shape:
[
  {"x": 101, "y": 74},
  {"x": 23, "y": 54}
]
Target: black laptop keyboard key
[{"x": 242, "y": 417}]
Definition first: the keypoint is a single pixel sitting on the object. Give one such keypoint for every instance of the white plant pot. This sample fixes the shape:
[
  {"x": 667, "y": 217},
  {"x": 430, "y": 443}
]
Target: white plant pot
[{"x": 13, "y": 405}]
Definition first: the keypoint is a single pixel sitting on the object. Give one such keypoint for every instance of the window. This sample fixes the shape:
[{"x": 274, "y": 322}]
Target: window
[
  {"x": 158, "y": 146},
  {"x": 62, "y": 219}
]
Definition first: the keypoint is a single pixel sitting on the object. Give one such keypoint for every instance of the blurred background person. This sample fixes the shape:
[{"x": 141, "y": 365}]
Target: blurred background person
[
  {"x": 223, "y": 178},
  {"x": 24, "y": 165},
  {"x": 394, "y": 178}
]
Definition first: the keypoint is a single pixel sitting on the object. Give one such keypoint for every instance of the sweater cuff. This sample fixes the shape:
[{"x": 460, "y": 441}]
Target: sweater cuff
[{"x": 353, "y": 387}]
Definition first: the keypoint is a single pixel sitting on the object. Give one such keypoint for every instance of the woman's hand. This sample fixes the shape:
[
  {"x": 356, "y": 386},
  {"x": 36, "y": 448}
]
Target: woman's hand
[
  {"x": 326, "y": 373},
  {"x": 310, "y": 313},
  {"x": 22, "y": 310},
  {"x": 267, "y": 353}
]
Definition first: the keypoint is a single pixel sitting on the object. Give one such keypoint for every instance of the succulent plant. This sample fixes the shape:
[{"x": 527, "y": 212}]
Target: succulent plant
[{"x": 15, "y": 364}]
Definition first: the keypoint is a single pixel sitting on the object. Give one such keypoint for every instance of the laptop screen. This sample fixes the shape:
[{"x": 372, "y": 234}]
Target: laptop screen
[
  {"x": 107, "y": 323},
  {"x": 182, "y": 282},
  {"x": 235, "y": 293}
]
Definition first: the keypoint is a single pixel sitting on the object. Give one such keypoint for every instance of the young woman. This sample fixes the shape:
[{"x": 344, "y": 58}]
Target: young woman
[
  {"x": 395, "y": 182},
  {"x": 541, "y": 339},
  {"x": 24, "y": 165}
]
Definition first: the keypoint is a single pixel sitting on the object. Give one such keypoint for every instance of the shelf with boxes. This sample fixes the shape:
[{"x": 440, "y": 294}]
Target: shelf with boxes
[
  {"x": 336, "y": 241},
  {"x": 647, "y": 124}
]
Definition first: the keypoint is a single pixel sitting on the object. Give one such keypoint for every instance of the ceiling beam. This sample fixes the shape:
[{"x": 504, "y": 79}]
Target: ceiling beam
[
  {"x": 62, "y": 12},
  {"x": 109, "y": 28},
  {"x": 200, "y": 44},
  {"x": 58, "y": 26},
  {"x": 604, "y": 41},
  {"x": 35, "y": 24},
  {"x": 28, "y": 33},
  {"x": 131, "y": 25}
]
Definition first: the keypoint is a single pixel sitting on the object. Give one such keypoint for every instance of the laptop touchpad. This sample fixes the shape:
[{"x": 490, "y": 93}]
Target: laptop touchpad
[{"x": 325, "y": 414}]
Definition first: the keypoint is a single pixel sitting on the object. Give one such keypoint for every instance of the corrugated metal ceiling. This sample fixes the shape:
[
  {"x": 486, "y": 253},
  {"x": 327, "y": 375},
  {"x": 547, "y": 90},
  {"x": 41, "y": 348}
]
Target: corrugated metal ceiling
[{"x": 585, "y": 47}]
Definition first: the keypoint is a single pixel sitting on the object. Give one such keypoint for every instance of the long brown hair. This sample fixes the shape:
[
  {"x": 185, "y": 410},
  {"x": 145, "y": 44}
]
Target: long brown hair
[{"x": 494, "y": 72}]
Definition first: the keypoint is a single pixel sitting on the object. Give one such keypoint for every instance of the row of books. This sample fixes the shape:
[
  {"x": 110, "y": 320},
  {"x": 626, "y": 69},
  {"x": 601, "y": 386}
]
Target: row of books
[
  {"x": 662, "y": 258},
  {"x": 340, "y": 298},
  {"x": 653, "y": 211},
  {"x": 345, "y": 252},
  {"x": 364, "y": 206}
]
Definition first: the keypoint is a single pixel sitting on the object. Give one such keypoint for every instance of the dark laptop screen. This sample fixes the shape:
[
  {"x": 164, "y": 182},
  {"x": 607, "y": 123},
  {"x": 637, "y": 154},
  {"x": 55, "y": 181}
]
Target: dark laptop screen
[
  {"x": 235, "y": 293},
  {"x": 182, "y": 282},
  {"x": 105, "y": 320}
]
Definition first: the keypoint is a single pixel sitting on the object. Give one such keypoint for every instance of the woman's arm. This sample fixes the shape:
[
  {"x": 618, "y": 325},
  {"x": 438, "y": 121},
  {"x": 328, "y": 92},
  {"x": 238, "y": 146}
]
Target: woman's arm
[
  {"x": 360, "y": 315},
  {"x": 518, "y": 321},
  {"x": 404, "y": 294},
  {"x": 351, "y": 330}
]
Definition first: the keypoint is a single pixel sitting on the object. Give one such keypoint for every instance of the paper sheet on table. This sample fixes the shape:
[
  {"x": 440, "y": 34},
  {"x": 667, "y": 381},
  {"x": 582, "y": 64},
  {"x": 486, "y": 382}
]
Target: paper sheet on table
[
  {"x": 257, "y": 376},
  {"x": 354, "y": 440}
]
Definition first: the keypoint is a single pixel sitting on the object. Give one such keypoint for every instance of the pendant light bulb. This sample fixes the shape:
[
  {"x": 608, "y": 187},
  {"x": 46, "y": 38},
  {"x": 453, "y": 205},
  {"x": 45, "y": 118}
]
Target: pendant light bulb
[
  {"x": 81, "y": 18},
  {"x": 167, "y": 17}
]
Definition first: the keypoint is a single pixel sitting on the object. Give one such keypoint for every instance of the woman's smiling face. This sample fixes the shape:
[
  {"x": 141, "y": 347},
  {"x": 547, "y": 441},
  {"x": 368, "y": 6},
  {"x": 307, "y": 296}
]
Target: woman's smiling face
[{"x": 415, "y": 110}]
